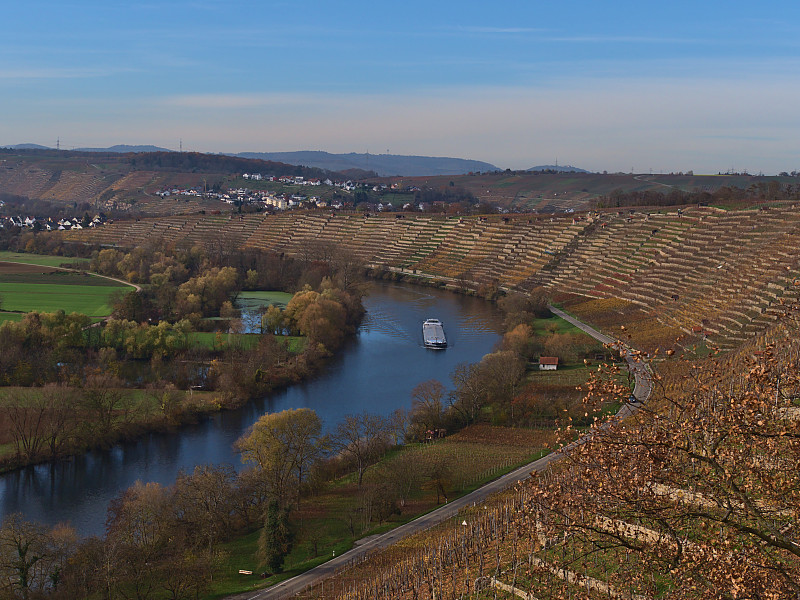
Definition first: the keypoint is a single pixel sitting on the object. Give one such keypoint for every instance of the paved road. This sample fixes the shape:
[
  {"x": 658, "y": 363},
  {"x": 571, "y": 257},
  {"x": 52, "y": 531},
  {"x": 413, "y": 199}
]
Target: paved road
[
  {"x": 292, "y": 586},
  {"x": 640, "y": 370}
]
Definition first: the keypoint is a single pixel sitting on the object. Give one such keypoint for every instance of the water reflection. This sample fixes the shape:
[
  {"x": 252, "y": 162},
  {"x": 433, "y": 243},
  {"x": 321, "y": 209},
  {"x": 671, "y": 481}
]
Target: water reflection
[{"x": 375, "y": 372}]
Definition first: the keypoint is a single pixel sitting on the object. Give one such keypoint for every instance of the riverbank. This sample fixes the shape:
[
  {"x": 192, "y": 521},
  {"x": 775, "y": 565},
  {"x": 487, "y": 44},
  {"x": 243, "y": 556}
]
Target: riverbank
[
  {"x": 146, "y": 411},
  {"x": 35, "y": 430},
  {"x": 330, "y": 522},
  {"x": 386, "y": 354}
]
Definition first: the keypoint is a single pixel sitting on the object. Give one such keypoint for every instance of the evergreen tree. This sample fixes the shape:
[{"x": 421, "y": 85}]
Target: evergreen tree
[{"x": 276, "y": 538}]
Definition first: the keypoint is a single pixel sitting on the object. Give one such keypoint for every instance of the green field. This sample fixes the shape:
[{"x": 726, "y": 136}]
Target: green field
[
  {"x": 39, "y": 259},
  {"x": 70, "y": 292},
  {"x": 258, "y": 298},
  {"x": 214, "y": 341},
  {"x": 542, "y": 326}
]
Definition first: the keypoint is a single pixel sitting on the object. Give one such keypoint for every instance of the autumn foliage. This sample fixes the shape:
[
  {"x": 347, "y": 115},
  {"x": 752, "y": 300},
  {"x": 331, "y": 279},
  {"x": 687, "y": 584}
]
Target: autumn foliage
[{"x": 695, "y": 496}]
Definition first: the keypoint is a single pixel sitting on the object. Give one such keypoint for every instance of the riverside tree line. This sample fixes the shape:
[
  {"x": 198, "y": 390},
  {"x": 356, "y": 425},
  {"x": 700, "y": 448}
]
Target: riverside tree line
[
  {"x": 164, "y": 541},
  {"x": 67, "y": 384}
]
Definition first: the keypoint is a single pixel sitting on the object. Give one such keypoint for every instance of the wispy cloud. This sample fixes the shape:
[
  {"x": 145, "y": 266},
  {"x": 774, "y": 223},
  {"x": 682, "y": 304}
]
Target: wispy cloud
[
  {"x": 22, "y": 73},
  {"x": 741, "y": 138},
  {"x": 498, "y": 30},
  {"x": 624, "y": 39},
  {"x": 549, "y": 35},
  {"x": 244, "y": 100}
]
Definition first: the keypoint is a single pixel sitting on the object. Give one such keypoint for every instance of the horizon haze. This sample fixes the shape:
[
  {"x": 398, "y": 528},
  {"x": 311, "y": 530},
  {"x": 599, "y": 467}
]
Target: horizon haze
[{"x": 708, "y": 87}]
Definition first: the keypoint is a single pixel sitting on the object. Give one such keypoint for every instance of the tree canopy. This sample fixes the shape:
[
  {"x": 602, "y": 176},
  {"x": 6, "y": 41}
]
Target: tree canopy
[{"x": 283, "y": 447}]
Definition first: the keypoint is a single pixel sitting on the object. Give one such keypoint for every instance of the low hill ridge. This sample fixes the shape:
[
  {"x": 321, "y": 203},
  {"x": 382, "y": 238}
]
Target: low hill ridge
[
  {"x": 123, "y": 148},
  {"x": 385, "y": 165},
  {"x": 558, "y": 169}
]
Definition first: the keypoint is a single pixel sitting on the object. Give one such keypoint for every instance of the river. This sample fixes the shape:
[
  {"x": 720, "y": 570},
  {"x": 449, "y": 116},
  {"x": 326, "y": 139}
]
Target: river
[{"x": 374, "y": 372}]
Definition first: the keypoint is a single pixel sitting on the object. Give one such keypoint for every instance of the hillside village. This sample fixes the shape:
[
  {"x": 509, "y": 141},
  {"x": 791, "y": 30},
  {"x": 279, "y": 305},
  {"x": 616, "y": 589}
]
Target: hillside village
[
  {"x": 52, "y": 224},
  {"x": 271, "y": 200}
]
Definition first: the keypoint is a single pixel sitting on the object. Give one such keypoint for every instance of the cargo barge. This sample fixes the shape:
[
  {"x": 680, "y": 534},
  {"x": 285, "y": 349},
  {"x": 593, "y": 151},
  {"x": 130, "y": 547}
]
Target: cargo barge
[{"x": 433, "y": 334}]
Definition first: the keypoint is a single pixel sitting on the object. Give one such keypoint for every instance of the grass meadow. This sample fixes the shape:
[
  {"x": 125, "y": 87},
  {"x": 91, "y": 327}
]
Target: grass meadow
[
  {"x": 40, "y": 259},
  {"x": 33, "y": 287},
  {"x": 258, "y": 298},
  {"x": 330, "y": 521},
  {"x": 46, "y": 293},
  {"x": 217, "y": 341}
]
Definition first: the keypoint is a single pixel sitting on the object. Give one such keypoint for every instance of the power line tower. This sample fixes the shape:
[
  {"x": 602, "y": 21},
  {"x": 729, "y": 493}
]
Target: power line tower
[{"x": 58, "y": 143}]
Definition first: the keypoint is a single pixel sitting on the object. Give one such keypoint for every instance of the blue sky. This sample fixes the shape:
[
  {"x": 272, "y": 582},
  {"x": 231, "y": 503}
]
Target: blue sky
[{"x": 666, "y": 86}]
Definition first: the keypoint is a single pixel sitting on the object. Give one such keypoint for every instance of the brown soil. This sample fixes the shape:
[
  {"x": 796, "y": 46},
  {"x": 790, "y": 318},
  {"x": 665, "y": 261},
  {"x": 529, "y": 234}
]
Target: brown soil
[{"x": 17, "y": 268}]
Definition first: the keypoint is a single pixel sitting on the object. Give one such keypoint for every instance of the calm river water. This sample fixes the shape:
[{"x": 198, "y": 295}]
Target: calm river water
[{"x": 375, "y": 372}]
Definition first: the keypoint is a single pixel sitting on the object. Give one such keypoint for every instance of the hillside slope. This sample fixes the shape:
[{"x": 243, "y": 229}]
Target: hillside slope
[
  {"x": 549, "y": 192},
  {"x": 97, "y": 178},
  {"x": 699, "y": 272},
  {"x": 382, "y": 164},
  {"x": 696, "y": 496},
  {"x": 126, "y": 180}
]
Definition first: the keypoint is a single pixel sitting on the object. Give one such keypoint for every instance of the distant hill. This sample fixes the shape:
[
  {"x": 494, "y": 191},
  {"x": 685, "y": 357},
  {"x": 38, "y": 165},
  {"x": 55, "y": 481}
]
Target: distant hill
[
  {"x": 119, "y": 148},
  {"x": 28, "y": 147},
  {"x": 130, "y": 181},
  {"x": 385, "y": 165},
  {"x": 558, "y": 169},
  {"x": 122, "y": 148}
]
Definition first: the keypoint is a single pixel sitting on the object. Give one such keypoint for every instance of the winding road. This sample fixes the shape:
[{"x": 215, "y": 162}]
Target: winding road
[
  {"x": 290, "y": 587},
  {"x": 138, "y": 288}
]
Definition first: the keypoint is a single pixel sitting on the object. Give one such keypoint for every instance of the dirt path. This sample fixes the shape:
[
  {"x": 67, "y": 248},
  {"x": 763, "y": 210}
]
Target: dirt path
[{"x": 138, "y": 288}]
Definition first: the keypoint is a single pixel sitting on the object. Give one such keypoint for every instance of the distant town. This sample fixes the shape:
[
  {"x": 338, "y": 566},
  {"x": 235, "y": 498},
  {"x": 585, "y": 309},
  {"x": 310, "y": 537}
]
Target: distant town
[
  {"x": 51, "y": 223},
  {"x": 272, "y": 200}
]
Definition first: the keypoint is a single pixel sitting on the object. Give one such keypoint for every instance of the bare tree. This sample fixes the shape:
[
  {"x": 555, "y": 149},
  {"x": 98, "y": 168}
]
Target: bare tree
[
  {"x": 361, "y": 438},
  {"x": 105, "y": 402},
  {"x": 470, "y": 391},
  {"x": 427, "y": 405},
  {"x": 284, "y": 446},
  {"x": 140, "y": 535},
  {"x": 26, "y": 412},
  {"x": 204, "y": 503},
  {"x": 32, "y": 557},
  {"x": 348, "y": 270}
]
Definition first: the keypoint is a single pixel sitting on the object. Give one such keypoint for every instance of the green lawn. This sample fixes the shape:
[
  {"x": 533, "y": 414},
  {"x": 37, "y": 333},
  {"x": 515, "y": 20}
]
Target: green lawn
[
  {"x": 6, "y": 316},
  {"x": 39, "y": 259},
  {"x": 542, "y": 326},
  {"x": 322, "y": 522},
  {"x": 258, "y": 298},
  {"x": 89, "y": 300},
  {"x": 214, "y": 341}
]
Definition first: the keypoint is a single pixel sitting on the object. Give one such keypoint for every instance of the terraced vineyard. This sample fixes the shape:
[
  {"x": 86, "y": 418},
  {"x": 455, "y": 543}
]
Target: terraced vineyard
[
  {"x": 701, "y": 273},
  {"x": 695, "y": 497}
]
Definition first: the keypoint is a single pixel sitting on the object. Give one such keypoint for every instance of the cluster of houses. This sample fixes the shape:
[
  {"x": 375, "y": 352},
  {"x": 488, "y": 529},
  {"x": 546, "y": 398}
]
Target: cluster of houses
[
  {"x": 269, "y": 199},
  {"x": 293, "y": 180},
  {"x": 273, "y": 200},
  {"x": 50, "y": 224}
]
